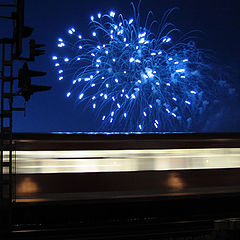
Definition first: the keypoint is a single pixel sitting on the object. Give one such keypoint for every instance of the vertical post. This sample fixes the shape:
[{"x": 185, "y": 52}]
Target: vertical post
[
  {"x": 6, "y": 178},
  {"x": 2, "y": 152}
]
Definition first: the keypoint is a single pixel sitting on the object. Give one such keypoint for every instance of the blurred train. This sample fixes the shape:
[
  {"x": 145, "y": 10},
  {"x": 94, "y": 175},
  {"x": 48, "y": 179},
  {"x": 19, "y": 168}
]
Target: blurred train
[{"x": 61, "y": 166}]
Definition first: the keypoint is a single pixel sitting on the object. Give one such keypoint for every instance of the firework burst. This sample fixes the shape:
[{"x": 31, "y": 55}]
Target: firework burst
[{"x": 135, "y": 79}]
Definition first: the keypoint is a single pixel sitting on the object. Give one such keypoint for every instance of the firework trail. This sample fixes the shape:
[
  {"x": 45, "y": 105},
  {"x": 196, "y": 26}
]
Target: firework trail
[{"x": 133, "y": 78}]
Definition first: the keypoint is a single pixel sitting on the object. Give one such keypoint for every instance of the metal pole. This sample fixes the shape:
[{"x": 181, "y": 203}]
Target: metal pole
[{"x": 2, "y": 100}]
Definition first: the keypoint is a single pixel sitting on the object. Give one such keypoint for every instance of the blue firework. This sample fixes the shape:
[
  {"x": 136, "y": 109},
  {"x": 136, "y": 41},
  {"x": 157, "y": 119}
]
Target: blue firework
[{"x": 133, "y": 78}]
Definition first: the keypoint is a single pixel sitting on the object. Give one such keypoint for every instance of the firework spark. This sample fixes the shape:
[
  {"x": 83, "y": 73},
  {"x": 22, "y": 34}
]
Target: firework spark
[{"x": 134, "y": 78}]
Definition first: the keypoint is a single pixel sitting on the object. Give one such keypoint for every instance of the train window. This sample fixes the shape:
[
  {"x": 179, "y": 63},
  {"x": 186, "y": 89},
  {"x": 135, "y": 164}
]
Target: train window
[{"x": 31, "y": 162}]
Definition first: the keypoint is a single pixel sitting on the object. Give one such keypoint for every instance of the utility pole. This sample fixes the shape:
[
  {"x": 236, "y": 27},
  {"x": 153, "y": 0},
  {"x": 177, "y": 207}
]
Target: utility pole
[
  {"x": 11, "y": 50},
  {"x": 7, "y": 145}
]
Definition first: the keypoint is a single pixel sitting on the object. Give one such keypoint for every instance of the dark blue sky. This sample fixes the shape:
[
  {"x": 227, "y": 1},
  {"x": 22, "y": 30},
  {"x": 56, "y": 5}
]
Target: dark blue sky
[{"x": 219, "y": 21}]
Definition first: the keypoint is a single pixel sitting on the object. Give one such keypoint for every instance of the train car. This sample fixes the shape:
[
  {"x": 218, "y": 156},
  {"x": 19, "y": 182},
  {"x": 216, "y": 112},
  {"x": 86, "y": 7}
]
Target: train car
[
  {"x": 128, "y": 186},
  {"x": 67, "y": 166}
]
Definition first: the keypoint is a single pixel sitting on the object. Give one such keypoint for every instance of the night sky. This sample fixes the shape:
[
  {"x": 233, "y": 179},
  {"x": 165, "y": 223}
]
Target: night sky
[{"x": 218, "y": 20}]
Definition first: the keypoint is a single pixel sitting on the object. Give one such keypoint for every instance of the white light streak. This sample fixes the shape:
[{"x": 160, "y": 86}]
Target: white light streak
[
  {"x": 130, "y": 21},
  {"x": 112, "y": 14},
  {"x": 180, "y": 70},
  {"x": 81, "y": 96},
  {"x": 131, "y": 59}
]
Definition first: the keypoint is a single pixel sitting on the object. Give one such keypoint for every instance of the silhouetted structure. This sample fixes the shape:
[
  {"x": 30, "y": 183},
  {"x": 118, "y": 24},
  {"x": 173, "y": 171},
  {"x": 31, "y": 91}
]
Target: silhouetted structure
[{"x": 12, "y": 50}]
